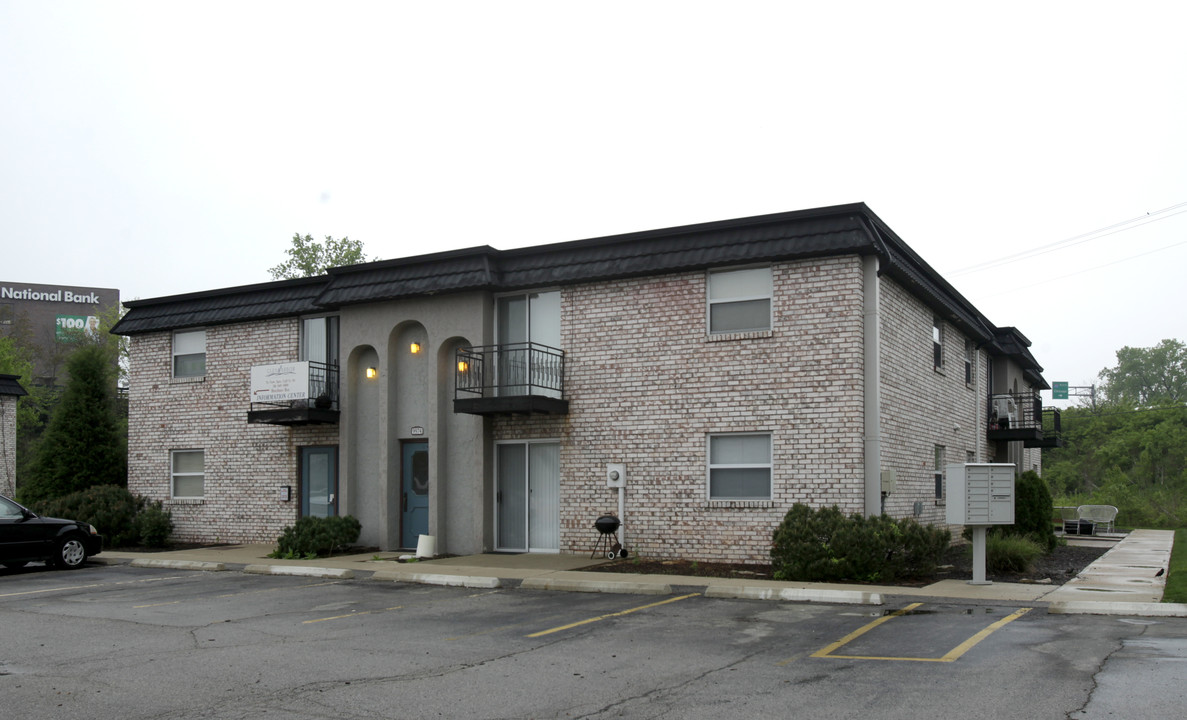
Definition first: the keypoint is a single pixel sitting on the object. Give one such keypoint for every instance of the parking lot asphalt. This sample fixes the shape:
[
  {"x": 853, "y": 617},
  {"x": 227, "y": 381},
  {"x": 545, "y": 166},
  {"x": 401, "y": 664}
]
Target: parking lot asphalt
[{"x": 1126, "y": 580}]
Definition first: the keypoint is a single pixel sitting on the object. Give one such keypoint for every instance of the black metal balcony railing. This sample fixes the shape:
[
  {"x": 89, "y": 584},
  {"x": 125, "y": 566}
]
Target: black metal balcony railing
[
  {"x": 321, "y": 406},
  {"x": 513, "y": 378},
  {"x": 1021, "y": 416}
]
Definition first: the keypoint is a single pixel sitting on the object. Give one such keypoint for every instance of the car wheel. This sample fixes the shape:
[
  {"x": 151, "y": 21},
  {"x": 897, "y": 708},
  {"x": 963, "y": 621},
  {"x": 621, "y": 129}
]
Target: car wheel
[
  {"x": 71, "y": 553},
  {"x": 15, "y": 565}
]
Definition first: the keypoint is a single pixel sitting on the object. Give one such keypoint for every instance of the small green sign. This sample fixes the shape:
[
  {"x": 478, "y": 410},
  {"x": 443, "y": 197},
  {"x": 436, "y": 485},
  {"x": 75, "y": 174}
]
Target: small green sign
[{"x": 1059, "y": 391}]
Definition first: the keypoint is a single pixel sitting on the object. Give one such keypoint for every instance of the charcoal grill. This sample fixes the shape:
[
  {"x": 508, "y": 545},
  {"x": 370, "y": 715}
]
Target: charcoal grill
[{"x": 607, "y": 544}]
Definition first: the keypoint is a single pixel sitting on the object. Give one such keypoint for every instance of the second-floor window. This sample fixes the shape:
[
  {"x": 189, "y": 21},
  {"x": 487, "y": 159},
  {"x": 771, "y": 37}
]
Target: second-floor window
[
  {"x": 970, "y": 356},
  {"x": 740, "y": 300},
  {"x": 937, "y": 342},
  {"x": 522, "y": 324},
  {"x": 189, "y": 353},
  {"x": 319, "y": 340}
]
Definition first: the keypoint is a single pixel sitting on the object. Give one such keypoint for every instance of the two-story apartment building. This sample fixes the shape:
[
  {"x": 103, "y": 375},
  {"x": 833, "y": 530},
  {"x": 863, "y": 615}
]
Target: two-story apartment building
[{"x": 726, "y": 370}]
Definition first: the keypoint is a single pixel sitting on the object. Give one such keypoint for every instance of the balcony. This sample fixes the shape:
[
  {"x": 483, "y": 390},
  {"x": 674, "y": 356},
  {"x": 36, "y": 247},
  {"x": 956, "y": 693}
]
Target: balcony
[
  {"x": 300, "y": 393},
  {"x": 1022, "y": 417},
  {"x": 514, "y": 379}
]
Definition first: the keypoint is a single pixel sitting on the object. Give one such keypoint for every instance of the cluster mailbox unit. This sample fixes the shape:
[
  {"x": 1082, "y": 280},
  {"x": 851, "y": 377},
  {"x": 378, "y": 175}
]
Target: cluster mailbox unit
[{"x": 980, "y": 495}]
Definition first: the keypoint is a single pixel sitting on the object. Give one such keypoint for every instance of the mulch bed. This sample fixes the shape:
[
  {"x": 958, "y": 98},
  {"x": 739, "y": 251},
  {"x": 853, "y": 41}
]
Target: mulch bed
[{"x": 1064, "y": 563}]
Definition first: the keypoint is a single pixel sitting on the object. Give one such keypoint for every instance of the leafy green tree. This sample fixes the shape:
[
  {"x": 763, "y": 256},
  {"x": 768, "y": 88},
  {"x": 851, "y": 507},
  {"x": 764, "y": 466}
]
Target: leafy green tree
[
  {"x": 83, "y": 445},
  {"x": 307, "y": 257},
  {"x": 33, "y": 410},
  {"x": 1148, "y": 376}
]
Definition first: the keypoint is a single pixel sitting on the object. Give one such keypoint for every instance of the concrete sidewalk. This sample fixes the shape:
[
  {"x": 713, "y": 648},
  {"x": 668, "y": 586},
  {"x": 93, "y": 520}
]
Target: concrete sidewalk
[{"x": 1127, "y": 580}]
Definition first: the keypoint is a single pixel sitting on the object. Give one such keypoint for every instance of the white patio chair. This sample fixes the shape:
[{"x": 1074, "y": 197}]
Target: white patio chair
[{"x": 1102, "y": 515}]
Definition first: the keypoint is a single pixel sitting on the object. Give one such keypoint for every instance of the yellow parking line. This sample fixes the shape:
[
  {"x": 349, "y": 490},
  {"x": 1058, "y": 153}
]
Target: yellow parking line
[
  {"x": 965, "y": 646},
  {"x": 950, "y": 656},
  {"x": 617, "y": 614},
  {"x": 351, "y": 615},
  {"x": 825, "y": 651},
  {"x": 278, "y": 589}
]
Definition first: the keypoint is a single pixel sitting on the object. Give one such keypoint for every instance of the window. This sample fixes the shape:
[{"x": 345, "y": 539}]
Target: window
[
  {"x": 937, "y": 341},
  {"x": 528, "y": 332},
  {"x": 740, "y": 466},
  {"x": 319, "y": 340},
  {"x": 970, "y": 355},
  {"x": 189, "y": 353},
  {"x": 189, "y": 473},
  {"x": 740, "y": 300},
  {"x": 939, "y": 470}
]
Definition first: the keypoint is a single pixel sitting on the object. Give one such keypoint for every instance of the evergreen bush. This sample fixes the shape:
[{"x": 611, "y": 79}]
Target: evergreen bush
[
  {"x": 318, "y": 536},
  {"x": 1033, "y": 510},
  {"x": 154, "y": 525},
  {"x": 824, "y": 545},
  {"x": 110, "y": 508}
]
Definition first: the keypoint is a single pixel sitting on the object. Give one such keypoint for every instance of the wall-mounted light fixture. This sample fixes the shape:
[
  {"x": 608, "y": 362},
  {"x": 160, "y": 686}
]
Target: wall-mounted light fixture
[
  {"x": 414, "y": 348},
  {"x": 462, "y": 366},
  {"x": 372, "y": 373}
]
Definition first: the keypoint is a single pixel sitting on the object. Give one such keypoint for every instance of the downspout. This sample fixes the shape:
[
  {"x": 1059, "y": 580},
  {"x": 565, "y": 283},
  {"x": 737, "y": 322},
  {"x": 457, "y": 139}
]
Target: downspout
[{"x": 872, "y": 384}]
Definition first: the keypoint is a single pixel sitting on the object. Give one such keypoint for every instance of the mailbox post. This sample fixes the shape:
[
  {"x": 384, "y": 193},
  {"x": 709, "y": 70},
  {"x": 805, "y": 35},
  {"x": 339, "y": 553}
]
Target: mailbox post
[{"x": 980, "y": 495}]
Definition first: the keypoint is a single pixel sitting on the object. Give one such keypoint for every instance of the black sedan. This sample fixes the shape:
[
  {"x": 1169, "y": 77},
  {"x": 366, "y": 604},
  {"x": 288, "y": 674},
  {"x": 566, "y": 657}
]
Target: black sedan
[{"x": 27, "y": 537}]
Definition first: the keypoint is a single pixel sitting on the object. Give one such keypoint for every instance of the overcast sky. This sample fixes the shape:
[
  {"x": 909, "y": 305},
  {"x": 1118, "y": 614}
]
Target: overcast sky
[{"x": 170, "y": 147}]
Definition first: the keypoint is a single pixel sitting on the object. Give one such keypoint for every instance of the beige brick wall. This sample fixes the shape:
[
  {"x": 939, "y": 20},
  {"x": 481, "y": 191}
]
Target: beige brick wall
[
  {"x": 647, "y": 386},
  {"x": 246, "y": 464},
  {"x": 923, "y": 407},
  {"x": 8, "y": 406}
]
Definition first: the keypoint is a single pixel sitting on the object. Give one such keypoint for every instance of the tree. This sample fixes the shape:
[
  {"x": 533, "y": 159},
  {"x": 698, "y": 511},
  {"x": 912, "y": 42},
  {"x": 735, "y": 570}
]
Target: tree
[
  {"x": 1146, "y": 377},
  {"x": 307, "y": 257},
  {"x": 83, "y": 445}
]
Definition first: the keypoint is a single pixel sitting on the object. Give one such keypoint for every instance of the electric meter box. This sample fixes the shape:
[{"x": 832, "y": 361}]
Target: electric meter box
[{"x": 980, "y": 494}]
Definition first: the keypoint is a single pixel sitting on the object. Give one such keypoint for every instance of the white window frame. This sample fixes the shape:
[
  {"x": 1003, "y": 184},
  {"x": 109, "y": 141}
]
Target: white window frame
[
  {"x": 970, "y": 360},
  {"x": 711, "y": 301},
  {"x": 174, "y": 474},
  {"x": 940, "y": 455},
  {"x": 711, "y": 466},
  {"x": 174, "y": 354},
  {"x": 937, "y": 342}
]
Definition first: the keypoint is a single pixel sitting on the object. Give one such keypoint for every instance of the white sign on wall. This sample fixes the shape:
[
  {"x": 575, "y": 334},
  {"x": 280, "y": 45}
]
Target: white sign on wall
[{"x": 280, "y": 383}]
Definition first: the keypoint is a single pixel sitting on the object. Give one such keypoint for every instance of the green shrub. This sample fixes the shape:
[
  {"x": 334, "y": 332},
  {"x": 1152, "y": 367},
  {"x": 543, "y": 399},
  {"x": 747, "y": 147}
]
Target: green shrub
[
  {"x": 1010, "y": 553},
  {"x": 317, "y": 536},
  {"x": 154, "y": 525},
  {"x": 825, "y": 545},
  {"x": 110, "y": 508},
  {"x": 1033, "y": 509}
]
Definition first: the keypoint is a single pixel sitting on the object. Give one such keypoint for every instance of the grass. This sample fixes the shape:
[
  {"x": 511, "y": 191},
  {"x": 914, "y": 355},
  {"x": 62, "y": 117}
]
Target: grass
[{"x": 1176, "y": 577}]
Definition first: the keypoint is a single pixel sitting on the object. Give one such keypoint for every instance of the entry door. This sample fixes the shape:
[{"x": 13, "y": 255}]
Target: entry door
[
  {"x": 319, "y": 481},
  {"x": 528, "y": 496},
  {"x": 414, "y": 498}
]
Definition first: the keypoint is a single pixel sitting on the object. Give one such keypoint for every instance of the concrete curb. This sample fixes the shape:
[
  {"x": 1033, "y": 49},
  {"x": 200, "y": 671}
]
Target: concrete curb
[
  {"x": 751, "y": 592},
  {"x": 469, "y": 581},
  {"x": 595, "y": 586},
  {"x": 179, "y": 564},
  {"x": 1140, "y": 609},
  {"x": 300, "y": 571}
]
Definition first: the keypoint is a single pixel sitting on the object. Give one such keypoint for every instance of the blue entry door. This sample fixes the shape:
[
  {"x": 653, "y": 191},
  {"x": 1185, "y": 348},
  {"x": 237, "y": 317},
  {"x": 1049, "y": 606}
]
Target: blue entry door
[
  {"x": 319, "y": 481},
  {"x": 414, "y": 497}
]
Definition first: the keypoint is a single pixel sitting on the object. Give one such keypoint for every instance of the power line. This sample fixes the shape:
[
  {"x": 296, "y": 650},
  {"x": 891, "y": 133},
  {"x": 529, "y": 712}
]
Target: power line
[
  {"x": 1014, "y": 290},
  {"x": 1113, "y": 229}
]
